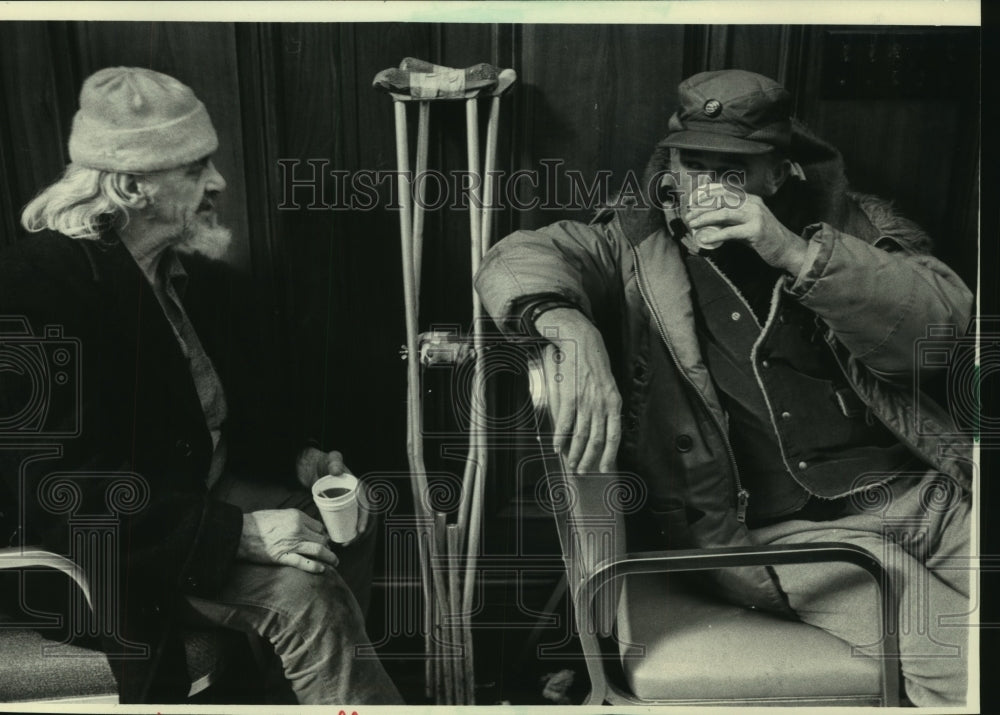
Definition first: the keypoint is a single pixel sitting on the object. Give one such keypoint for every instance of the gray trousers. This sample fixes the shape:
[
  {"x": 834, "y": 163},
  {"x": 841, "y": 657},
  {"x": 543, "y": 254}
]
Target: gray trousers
[
  {"x": 918, "y": 525},
  {"x": 314, "y": 621}
]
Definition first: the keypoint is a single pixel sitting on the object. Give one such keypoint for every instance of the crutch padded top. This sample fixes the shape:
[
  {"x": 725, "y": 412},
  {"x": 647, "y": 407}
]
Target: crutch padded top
[{"x": 418, "y": 79}]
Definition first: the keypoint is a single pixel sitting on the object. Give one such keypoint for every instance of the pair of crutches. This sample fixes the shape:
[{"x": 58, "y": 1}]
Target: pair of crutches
[{"x": 448, "y": 592}]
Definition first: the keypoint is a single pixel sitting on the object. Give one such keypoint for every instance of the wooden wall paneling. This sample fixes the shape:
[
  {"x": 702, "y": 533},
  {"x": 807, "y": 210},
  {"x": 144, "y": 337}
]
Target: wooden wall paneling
[
  {"x": 202, "y": 56},
  {"x": 9, "y": 214},
  {"x": 595, "y": 98},
  {"x": 344, "y": 265},
  {"x": 718, "y": 48},
  {"x": 38, "y": 104},
  {"x": 919, "y": 151},
  {"x": 757, "y": 48},
  {"x": 258, "y": 104},
  {"x": 318, "y": 272},
  {"x": 771, "y": 50},
  {"x": 272, "y": 340}
]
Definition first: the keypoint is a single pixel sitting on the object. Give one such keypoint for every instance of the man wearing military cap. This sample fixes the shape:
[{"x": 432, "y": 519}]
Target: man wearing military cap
[
  {"x": 116, "y": 238},
  {"x": 747, "y": 348}
]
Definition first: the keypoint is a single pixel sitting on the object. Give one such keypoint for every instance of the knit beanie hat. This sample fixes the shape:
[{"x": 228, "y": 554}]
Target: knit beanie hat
[{"x": 136, "y": 120}]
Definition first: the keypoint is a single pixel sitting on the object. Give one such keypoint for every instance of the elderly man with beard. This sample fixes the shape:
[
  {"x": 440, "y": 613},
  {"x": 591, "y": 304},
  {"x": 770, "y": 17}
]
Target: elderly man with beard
[
  {"x": 748, "y": 350},
  {"x": 224, "y": 537}
]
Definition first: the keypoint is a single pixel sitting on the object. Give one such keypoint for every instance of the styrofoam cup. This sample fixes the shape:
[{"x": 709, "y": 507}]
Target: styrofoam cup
[{"x": 340, "y": 512}]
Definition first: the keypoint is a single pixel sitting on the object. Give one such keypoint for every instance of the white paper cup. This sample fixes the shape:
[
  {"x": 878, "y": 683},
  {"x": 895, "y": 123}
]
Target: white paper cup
[
  {"x": 336, "y": 498},
  {"x": 703, "y": 236}
]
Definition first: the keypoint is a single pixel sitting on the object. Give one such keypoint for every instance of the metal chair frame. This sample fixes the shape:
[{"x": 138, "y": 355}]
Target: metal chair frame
[
  {"x": 612, "y": 689},
  {"x": 593, "y": 551}
]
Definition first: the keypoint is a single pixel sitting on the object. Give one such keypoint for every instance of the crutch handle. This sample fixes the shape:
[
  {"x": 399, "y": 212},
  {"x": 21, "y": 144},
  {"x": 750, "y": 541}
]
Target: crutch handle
[{"x": 417, "y": 79}]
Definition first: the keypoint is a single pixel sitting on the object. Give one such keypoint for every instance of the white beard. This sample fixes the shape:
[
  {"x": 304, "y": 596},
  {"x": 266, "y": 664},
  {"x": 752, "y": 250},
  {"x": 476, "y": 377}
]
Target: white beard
[{"x": 204, "y": 238}]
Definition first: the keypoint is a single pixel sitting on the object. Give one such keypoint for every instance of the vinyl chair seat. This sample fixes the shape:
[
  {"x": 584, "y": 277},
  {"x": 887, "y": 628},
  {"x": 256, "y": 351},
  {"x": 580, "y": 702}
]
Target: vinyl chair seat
[{"x": 695, "y": 646}]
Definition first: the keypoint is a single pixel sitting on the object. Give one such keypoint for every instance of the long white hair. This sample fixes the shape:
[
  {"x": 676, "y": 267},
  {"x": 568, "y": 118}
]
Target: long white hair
[{"x": 82, "y": 203}]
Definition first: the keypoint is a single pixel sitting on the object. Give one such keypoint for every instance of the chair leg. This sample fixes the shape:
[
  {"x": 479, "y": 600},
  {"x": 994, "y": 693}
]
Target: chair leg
[{"x": 558, "y": 593}]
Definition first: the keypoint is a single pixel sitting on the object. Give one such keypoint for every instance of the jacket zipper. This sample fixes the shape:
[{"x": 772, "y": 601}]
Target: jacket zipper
[{"x": 742, "y": 495}]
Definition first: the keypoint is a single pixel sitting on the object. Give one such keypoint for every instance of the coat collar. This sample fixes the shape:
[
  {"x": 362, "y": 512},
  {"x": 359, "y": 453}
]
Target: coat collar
[{"x": 666, "y": 288}]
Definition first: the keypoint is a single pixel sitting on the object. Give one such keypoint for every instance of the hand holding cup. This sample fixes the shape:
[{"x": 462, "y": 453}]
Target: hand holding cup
[{"x": 337, "y": 498}]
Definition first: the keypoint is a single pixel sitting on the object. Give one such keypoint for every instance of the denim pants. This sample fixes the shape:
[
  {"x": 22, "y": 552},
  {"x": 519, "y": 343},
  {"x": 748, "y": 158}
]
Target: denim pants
[
  {"x": 922, "y": 537},
  {"x": 315, "y": 622}
]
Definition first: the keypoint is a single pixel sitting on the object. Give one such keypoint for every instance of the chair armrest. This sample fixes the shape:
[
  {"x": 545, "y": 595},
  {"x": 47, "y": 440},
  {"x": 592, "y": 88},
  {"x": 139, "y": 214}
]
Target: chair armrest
[
  {"x": 777, "y": 555},
  {"x": 17, "y": 557}
]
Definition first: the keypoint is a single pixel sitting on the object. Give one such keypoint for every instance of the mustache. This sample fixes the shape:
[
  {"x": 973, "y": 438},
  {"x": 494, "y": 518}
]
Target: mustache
[{"x": 208, "y": 201}]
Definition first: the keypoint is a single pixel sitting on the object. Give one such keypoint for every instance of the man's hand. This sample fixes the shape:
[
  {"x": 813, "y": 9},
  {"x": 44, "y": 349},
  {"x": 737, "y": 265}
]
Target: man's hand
[
  {"x": 313, "y": 463},
  {"x": 285, "y": 536},
  {"x": 750, "y": 222},
  {"x": 584, "y": 400}
]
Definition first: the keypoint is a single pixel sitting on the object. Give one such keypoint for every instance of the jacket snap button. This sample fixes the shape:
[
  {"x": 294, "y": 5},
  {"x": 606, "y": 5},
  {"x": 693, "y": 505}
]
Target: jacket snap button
[
  {"x": 683, "y": 442},
  {"x": 802, "y": 465},
  {"x": 184, "y": 447},
  {"x": 735, "y": 315},
  {"x": 765, "y": 363},
  {"x": 786, "y": 415}
]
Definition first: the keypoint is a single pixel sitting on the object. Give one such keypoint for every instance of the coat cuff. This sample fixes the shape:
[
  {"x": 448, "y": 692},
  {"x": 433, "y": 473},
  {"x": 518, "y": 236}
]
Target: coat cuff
[
  {"x": 528, "y": 309},
  {"x": 818, "y": 252}
]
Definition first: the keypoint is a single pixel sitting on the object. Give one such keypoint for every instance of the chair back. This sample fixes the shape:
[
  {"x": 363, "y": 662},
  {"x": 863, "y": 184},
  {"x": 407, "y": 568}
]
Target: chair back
[{"x": 589, "y": 522}]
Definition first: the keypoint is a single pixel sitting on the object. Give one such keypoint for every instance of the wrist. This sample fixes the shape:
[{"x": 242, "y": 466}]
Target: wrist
[
  {"x": 794, "y": 256},
  {"x": 561, "y": 322}
]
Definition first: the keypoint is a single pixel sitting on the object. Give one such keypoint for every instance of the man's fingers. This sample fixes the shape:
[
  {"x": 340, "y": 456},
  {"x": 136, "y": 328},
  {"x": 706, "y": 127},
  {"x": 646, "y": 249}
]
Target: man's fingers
[
  {"x": 335, "y": 463},
  {"x": 363, "y": 514},
  {"x": 595, "y": 445},
  {"x": 362, "y": 519},
  {"x": 721, "y": 235},
  {"x": 301, "y": 562},
  {"x": 698, "y": 218},
  {"x": 318, "y": 552},
  {"x": 564, "y": 419},
  {"x": 611, "y": 441},
  {"x": 581, "y": 435}
]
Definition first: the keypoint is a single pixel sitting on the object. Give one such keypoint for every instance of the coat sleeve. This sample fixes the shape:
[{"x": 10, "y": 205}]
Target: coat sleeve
[
  {"x": 567, "y": 262},
  {"x": 879, "y": 303}
]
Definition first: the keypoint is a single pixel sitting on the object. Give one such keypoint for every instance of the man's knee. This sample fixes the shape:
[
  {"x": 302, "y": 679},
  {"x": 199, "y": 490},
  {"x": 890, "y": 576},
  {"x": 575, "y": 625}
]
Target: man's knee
[{"x": 305, "y": 596}]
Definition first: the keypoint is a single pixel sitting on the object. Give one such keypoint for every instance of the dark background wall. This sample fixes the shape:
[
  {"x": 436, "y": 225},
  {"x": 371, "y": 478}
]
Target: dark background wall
[{"x": 902, "y": 104}]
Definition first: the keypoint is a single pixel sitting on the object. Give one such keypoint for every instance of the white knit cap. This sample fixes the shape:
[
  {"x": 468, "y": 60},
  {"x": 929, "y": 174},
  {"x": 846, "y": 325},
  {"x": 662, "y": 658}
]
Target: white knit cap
[{"x": 136, "y": 120}]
